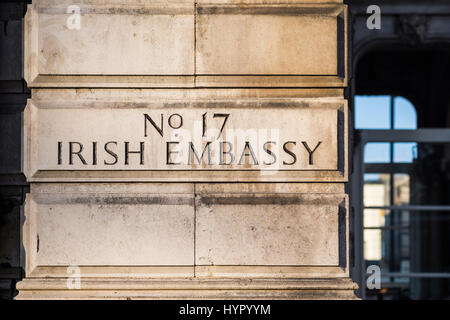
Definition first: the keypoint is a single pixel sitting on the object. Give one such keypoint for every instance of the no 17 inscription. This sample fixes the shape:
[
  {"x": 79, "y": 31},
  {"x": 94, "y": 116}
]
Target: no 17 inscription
[
  {"x": 191, "y": 139},
  {"x": 203, "y": 154}
]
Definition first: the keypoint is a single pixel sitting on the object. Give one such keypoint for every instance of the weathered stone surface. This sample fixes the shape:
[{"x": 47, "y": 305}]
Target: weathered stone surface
[
  {"x": 223, "y": 289},
  {"x": 148, "y": 228},
  {"x": 269, "y": 229},
  {"x": 115, "y": 39},
  {"x": 91, "y": 95},
  {"x": 179, "y": 44},
  {"x": 258, "y": 40},
  {"x": 270, "y": 188},
  {"x": 299, "y": 140},
  {"x": 109, "y": 225}
]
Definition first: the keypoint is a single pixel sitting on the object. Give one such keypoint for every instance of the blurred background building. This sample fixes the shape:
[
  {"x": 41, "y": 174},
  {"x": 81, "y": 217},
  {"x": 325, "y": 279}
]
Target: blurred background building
[{"x": 400, "y": 147}]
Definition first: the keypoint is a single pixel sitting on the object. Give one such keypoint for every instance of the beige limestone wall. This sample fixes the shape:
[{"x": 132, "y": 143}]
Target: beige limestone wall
[
  {"x": 187, "y": 44},
  {"x": 149, "y": 228},
  {"x": 101, "y": 129}
]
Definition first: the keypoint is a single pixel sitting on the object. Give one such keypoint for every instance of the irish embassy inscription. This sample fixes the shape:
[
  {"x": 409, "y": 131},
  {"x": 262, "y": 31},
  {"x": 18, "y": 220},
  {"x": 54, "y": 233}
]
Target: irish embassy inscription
[
  {"x": 187, "y": 146},
  {"x": 186, "y": 149}
]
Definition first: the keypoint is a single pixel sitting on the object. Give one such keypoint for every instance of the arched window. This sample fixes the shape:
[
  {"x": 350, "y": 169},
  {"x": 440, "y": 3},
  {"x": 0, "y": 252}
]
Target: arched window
[
  {"x": 386, "y": 113},
  {"x": 386, "y": 237}
]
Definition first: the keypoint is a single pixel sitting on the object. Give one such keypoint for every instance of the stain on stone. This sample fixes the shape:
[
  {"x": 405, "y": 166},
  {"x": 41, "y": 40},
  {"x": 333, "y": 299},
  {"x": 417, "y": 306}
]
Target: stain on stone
[
  {"x": 270, "y": 199},
  {"x": 158, "y": 200},
  {"x": 267, "y": 10},
  {"x": 103, "y": 200}
]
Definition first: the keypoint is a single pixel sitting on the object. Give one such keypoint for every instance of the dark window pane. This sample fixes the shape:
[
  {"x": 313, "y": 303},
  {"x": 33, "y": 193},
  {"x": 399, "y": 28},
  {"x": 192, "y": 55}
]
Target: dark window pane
[
  {"x": 405, "y": 152},
  {"x": 377, "y": 152},
  {"x": 405, "y": 116},
  {"x": 372, "y": 112}
]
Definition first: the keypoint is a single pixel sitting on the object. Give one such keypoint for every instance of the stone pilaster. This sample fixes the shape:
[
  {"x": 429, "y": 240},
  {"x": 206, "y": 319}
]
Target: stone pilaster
[{"x": 185, "y": 149}]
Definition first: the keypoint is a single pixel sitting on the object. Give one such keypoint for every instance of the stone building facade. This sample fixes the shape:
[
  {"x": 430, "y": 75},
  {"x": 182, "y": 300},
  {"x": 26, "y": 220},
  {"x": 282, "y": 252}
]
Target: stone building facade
[{"x": 183, "y": 149}]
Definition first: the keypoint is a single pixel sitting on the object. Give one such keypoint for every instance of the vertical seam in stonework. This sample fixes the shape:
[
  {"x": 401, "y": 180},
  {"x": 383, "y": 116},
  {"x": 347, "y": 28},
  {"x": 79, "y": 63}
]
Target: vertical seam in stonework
[
  {"x": 195, "y": 86},
  {"x": 195, "y": 225},
  {"x": 195, "y": 47}
]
